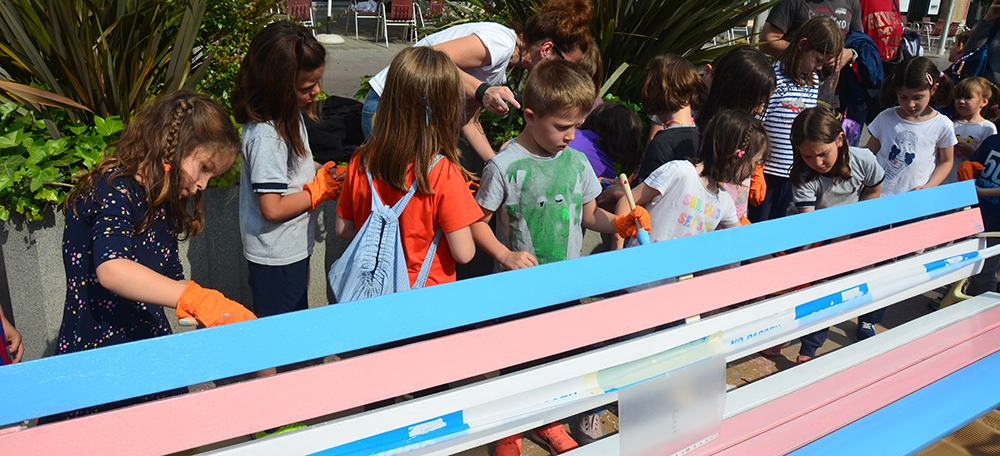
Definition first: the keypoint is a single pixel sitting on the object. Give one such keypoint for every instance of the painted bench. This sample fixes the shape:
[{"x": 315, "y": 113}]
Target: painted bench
[{"x": 849, "y": 278}]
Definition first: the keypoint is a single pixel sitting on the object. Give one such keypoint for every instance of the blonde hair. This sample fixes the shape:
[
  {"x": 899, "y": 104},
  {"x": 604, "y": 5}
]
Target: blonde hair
[
  {"x": 984, "y": 88},
  {"x": 420, "y": 113},
  {"x": 555, "y": 85}
]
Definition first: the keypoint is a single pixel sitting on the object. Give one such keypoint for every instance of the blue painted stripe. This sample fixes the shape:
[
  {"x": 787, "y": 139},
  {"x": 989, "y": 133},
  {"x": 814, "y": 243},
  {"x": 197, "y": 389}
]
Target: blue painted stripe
[
  {"x": 919, "y": 419},
  {"x": 944, "y": 262},
  {"x": 68, "y": 382},
  {"x": 406, "y": 438},
  {"x": 831, "y": 300}
]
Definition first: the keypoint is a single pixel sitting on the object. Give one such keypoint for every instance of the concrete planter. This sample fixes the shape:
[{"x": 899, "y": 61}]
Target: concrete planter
[{"x": 33, "y": 257}]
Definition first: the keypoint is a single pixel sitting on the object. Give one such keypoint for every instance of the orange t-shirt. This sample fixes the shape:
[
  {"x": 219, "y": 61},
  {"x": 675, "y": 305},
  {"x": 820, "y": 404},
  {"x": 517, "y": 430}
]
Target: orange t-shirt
[{"x": 452, "y": 207}]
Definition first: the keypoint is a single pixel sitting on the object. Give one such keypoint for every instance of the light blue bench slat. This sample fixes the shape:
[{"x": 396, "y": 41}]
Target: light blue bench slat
[
  {"x": 919, "y": 419},
  {"x": 72, "y": 381}
]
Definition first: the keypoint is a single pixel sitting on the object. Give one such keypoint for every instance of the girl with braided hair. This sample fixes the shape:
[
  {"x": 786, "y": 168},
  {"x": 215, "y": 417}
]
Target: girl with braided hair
[
  {"x": 123, "y": 223},
  {"x": 683, "y": 196}
]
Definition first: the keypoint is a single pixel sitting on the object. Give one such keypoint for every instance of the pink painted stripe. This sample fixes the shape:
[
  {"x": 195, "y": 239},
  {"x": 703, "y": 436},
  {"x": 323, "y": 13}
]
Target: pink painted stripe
[
  {"x": 798, "y": 418},
  {"x": 211, "y": 416}
]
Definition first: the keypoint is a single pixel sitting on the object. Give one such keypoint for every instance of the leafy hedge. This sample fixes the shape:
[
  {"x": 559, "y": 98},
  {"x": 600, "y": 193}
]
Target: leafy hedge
[{"x": 36, "y": 170}]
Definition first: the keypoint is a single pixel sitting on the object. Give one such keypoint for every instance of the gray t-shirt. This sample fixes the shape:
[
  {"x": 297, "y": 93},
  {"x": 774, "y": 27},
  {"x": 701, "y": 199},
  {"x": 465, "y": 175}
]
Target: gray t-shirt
[
  {"x": 824, "y": 192},
  {"x": 270, "y": 166},
  {"x": 539, "y": 200}
]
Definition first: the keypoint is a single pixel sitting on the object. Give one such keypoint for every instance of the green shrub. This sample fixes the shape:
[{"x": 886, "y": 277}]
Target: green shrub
[
  {"x": 110, "y": 56},
  {"x": 226, "y": 32},
  {"x": 36, "y": 170}
]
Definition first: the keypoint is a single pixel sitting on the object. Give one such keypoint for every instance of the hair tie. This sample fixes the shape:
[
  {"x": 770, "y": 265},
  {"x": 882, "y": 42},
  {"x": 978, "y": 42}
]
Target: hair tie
[
  {"x": 930, "y": 79},
  {"x": 740, "y": 152},
  {"x": 166, "y": 167}
]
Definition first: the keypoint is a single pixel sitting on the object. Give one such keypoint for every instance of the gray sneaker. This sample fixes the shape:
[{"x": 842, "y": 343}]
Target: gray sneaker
[{"x": 588, "y": 428}]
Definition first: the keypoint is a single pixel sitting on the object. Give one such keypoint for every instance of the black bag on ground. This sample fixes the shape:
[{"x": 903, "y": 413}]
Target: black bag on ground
[{"x": 338, "y": 132}]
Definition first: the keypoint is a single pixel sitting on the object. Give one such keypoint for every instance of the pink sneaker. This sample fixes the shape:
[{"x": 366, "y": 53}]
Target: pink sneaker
[
  {"x": 555, "y": 438},
  {"x": 508, "y": 446}
]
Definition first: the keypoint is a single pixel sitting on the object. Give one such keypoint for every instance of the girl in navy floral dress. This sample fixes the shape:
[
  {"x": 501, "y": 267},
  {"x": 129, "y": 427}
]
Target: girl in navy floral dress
[{"x": 123, "y": 221}]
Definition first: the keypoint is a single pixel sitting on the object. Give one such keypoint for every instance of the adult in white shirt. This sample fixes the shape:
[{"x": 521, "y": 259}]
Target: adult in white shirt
[{"x": 484, "y": 50}]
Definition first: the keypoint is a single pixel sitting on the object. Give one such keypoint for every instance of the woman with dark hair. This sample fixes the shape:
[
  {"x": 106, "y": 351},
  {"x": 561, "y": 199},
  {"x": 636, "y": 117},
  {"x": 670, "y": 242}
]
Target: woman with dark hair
[{"x": 483, "y": 51}]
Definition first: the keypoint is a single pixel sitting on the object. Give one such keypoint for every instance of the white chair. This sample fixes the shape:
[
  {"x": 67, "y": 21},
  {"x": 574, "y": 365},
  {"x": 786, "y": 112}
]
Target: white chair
[
  {"x": 362, "y": 15},
  {"x": 402, "y": 14},
  {"x": 301, "y": 10}
]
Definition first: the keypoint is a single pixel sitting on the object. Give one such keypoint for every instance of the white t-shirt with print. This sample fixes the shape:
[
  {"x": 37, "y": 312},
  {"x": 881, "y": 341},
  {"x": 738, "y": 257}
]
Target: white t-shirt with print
[
  {"x": 684, "y": 206},
  {"x": 972, "y": 134},
  {"x": 500, "y": 41},
  {"x": 909, "y": 149}
]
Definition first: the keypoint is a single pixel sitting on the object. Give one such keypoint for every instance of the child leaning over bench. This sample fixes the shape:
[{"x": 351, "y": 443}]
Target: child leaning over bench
[
  {"x": 542, "y": 191},
  {"x": 984, "y": 167}
]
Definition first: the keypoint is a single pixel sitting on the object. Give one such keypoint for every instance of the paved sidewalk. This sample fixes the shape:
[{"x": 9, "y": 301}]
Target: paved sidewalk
[{"x": 346, "y": 63}]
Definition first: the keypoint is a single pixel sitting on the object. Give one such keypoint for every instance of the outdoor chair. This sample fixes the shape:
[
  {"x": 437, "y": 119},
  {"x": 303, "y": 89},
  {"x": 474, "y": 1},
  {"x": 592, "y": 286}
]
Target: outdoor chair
[
  {"x": 402, "y": 14},
  {"x": 301, "y": 11},
  {"x": 362, "y": 15}
]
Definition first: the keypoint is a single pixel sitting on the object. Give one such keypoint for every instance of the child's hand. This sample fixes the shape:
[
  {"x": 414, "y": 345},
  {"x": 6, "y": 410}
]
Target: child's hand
[
  {"x": 625, "y": 224},
  {"x": 758, "y": 186},
  {"x": 964, "y": 149},
  {"x": 967, "y": 170},
  {"x": 610, "y": 196},
  {"x": 517, "y": 260},
  {"x": 325, "y": 186},
  {"x": 210, "y": 307},
  {"x": 13, "y": 343},
  {"x": 339, "y": 172}
]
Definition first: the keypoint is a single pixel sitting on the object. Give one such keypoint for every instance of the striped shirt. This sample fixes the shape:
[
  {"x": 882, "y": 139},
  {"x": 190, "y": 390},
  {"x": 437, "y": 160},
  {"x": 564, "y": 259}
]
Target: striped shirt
[{"x": 788, "y": 100}]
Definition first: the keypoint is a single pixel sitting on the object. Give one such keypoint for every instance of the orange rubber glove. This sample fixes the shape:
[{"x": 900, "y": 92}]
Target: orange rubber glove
[
  {"x": 744, "y": 221},
  {"x": 625, "y": 224},
  {"x": 324, "y": 187},
  {"x": 210, "y": 307},
  {"x": 758, "y": 187},
  {"x": 967, "y": 170}
]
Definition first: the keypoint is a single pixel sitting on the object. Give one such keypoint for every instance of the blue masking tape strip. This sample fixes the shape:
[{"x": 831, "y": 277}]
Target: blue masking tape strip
[
  {"x": 927, "y": 415},
  {"x": 830, "y": 300},
  {"x": 68, "y": 382},
  {"x": 935, "y": 265},
  {"x": 406, "y": 438}
]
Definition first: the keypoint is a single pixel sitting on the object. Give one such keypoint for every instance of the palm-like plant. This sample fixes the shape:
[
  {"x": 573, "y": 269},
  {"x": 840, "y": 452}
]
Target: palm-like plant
[
  {"x": 108, "y": 56},
  {"x": 633, "y": 32}
]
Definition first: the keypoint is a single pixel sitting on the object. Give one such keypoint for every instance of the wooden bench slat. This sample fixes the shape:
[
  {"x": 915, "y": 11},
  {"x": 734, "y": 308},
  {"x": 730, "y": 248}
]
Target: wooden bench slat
[
  {"x": 922, "y": 418},
  {"x": 79, "y": 380},
  {"x": 339, "y": 386},
  {"x": 795, "y": 419}
]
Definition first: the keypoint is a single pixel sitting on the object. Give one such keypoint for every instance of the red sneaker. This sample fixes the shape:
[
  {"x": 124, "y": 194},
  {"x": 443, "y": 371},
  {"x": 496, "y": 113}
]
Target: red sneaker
[
  {"x": 555, "y": 438},
  {"x": 508, "y": 446}
]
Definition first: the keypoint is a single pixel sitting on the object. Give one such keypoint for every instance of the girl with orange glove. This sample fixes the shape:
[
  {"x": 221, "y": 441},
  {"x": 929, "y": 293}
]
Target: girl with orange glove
[
  {"x": 280, "y": 185},
  {"x": 123, "y": 221}
]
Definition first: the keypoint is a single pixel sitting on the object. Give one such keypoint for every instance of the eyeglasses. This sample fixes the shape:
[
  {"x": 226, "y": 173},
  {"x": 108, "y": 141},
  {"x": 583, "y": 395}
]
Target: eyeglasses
[{"x": 557, "y": 51}]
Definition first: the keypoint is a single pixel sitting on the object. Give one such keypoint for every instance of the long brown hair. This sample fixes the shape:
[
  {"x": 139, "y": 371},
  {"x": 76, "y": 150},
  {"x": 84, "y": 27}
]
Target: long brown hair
[
  {"x": 821, "y": 34},
  {"x": 185, "y": 121},
  {"x": 819, "y": 125},
  {"x": 266, "y": 83},
  {"x": 419, "y": 116},
  {"x": 741, "y": 79}
]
